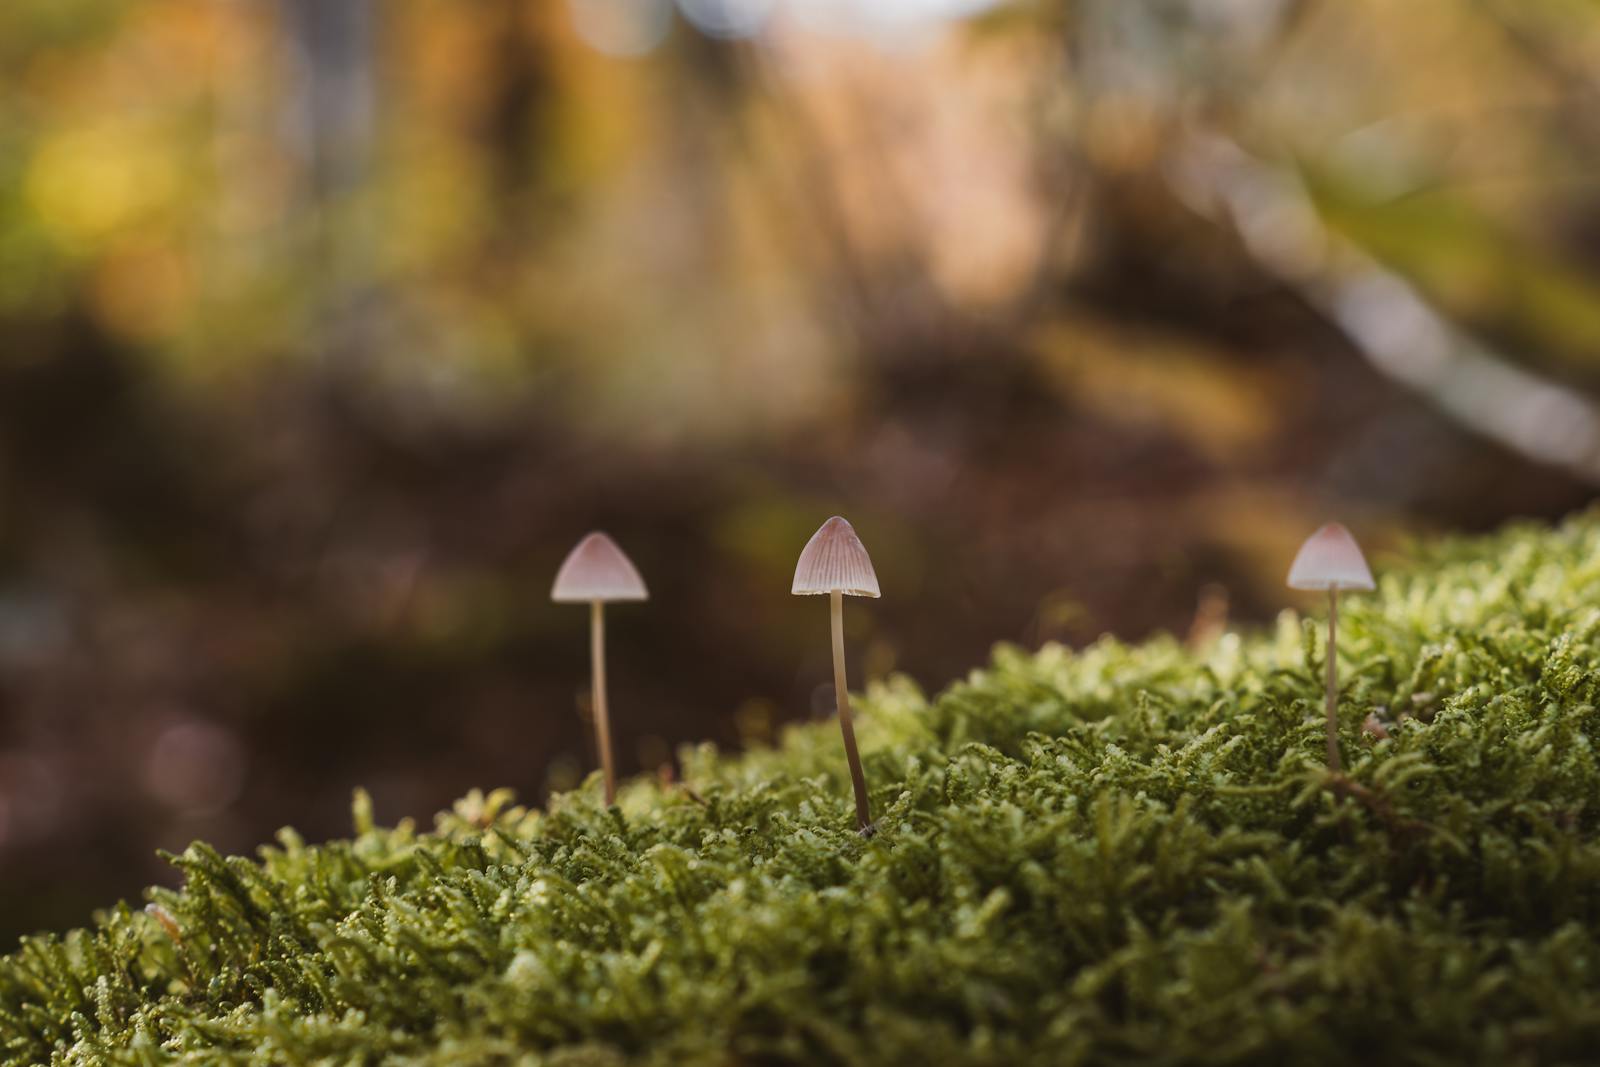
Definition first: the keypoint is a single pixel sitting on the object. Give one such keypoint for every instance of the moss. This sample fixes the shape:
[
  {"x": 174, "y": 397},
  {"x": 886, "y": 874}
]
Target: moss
[{"x": 1119, "y": 855}]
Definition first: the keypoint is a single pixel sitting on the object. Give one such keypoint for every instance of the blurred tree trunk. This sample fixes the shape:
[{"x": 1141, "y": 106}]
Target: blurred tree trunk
[
  {"x": 328, "y": 125},
  {"x": 329, "y": 114}
]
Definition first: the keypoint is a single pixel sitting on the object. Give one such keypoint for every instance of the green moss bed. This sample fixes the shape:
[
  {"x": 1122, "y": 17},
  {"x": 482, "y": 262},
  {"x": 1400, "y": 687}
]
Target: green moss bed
[{"x": 1124, "y": 854}]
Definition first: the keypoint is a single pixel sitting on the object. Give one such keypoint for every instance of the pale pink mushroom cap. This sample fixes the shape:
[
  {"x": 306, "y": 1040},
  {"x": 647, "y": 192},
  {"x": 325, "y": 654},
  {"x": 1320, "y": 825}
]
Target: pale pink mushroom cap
[
  {"x": 835, "y": 561},
  {"x": 1330, "y": 559},
  {"x": 597, "y": 570}
]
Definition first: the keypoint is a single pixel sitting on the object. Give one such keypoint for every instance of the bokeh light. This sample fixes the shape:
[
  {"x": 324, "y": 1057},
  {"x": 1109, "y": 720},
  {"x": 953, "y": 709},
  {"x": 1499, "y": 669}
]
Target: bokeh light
[{"x": 622, "y": 27}]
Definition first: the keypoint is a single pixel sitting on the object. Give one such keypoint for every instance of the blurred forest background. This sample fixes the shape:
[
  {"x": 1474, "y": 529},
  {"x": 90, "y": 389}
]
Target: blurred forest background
[{"x": 328, "y": 326}]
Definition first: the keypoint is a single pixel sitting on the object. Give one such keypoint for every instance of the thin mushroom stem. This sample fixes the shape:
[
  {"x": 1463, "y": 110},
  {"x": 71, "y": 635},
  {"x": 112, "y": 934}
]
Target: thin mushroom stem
[
  {"x": 858, "y": 778},
  {"x": 602, "y": 717},
  {"x": 1334, "y": 763}
]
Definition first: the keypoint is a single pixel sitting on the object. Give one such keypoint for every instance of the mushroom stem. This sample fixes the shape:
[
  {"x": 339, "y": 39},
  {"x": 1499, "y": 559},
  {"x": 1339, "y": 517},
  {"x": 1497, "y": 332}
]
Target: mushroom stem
[
  {"x": 841, "y": 693},
  {"x": 602, "y": 717},
  {"x": 1334, "y": 763}
]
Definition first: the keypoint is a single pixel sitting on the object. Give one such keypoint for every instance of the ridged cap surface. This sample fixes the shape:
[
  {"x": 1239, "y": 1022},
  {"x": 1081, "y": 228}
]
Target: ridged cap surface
[
  {"x": 597, "y": 570},
  {"x": 1330, "y": 559},
  {"x": 835, "y": 560}
]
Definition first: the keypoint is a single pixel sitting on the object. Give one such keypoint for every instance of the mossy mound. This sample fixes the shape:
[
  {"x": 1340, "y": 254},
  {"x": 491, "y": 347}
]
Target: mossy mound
[{"x": 1120, "y": 855}]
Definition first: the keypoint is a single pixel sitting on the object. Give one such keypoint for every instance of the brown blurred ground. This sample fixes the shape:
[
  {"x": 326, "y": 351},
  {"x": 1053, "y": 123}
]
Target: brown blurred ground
[{"x": 326, "y": 329}]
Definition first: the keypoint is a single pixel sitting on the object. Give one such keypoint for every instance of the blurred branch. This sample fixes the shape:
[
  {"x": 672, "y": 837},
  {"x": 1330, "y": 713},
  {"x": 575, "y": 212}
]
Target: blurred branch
[{"x": 1380, "y": 313}]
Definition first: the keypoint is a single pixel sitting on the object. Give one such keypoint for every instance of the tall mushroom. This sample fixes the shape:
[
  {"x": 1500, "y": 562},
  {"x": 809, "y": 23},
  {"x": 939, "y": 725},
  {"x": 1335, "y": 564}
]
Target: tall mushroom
[
  {"x": 1330, "y": 559},
  {"x": 835, "y": 562},
  {"x": 596, "y": 572}
]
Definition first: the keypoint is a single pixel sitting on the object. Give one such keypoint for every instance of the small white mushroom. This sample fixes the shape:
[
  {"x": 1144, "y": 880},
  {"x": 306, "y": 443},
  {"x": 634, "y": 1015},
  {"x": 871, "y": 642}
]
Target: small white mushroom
[
  {"x": 835, "y": 562},
  {"x": 596, "y": 572},
  {"x": 1330, "y": 559}
]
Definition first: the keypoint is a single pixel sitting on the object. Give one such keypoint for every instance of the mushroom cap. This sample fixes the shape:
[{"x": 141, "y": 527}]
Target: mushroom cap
[
  {"x": 1330, "y": 559},
  {"x": 835, "y": 561},
  {"x": 596, "y": 569}
]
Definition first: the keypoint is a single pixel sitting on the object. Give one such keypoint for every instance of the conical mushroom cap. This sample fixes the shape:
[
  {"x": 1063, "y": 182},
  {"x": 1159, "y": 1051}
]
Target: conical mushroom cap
[
  {"x": 597, "y": 570},
  {"x": 1330, "y": 559},
  {"x": 835, "y": 561}
]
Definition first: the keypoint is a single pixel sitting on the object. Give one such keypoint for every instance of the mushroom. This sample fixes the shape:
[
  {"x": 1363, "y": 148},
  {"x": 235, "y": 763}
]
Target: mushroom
[
  {"x": 1330, "y": 559},
  {"x": 597, "y": 572},
  {"x": 835, "y": 562}
]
